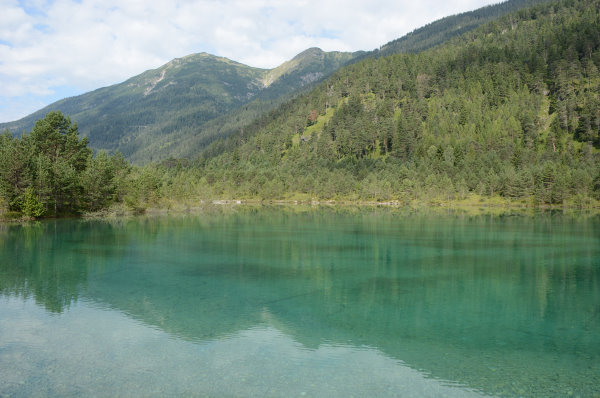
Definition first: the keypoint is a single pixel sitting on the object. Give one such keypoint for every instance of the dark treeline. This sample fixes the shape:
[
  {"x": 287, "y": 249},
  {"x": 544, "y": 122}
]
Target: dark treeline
[{"x": 51, "y": 171}]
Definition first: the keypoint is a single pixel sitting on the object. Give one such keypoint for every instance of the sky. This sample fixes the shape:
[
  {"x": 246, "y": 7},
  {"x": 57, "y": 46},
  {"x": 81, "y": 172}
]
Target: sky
[{"x": 52, "y": 49}]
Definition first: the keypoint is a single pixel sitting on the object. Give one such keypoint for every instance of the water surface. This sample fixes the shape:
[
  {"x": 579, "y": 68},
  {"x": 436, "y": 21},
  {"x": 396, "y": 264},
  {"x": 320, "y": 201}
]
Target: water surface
[{"x": 302, "y": 302}]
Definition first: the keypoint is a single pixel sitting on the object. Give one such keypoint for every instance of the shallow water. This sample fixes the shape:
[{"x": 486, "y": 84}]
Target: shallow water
[{"x": 302, "y": 302}]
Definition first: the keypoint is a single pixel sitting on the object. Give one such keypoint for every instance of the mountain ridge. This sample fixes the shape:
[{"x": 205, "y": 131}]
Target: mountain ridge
[{"x": 182, "y": 94}]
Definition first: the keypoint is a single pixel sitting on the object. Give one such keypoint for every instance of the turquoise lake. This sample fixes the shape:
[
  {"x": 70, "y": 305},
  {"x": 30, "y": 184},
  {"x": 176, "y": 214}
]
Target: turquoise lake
[{"x": 294, "y": 302}]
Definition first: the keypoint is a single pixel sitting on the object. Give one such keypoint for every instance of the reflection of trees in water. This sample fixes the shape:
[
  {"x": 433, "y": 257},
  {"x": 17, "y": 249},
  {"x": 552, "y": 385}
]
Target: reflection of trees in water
[
  {"x": 50, "y": 261},
  {"x": 377, "y": 271},
  {"x": 326, "y": 251},
  {"x": 430, "y": 290}
]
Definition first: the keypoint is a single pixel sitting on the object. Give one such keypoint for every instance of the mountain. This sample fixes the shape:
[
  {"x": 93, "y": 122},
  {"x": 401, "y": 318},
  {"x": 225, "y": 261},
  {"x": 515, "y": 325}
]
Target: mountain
[
  {"x": 508, "y": 109},
  {"x": 190, "y": 145},
  {"x": 181, "y": 107},
  {"x": 187, "y": 139},
  {"x": 161, "y": 108}
]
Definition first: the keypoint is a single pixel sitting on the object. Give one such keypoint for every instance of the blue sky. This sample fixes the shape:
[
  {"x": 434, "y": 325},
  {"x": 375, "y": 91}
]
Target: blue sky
[{"x": 52, "y": 49}]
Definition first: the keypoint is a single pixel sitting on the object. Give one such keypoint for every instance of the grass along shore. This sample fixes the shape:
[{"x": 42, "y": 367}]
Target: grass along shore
[{"x": 472, "y": 204}]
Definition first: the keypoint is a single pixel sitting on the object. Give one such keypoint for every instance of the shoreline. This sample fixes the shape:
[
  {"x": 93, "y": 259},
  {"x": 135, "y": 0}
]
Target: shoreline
[{"x": 469, "y": 206}]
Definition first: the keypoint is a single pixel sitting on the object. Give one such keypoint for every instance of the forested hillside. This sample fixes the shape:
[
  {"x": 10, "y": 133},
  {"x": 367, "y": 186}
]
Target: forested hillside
[
  {"x": 444, "y": 29},
  {"x": 511, "y": 109}
]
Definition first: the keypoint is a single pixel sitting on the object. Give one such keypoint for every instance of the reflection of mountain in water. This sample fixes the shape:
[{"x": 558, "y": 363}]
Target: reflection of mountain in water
[
  {"x": 128, "y": 358},
  {"x": 499, "y": 304}
]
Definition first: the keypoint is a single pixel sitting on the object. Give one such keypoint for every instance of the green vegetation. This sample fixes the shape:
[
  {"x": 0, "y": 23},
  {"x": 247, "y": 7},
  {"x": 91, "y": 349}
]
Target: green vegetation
[
  {"x": 507, "y": 114},
  {"x": 509, "y": 109},
  {"x": 444, "y": 29},
  {"x": 51, "y": 171}
]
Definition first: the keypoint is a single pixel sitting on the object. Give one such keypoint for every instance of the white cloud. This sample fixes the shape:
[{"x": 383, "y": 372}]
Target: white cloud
[{"x": 47, "y": 45}]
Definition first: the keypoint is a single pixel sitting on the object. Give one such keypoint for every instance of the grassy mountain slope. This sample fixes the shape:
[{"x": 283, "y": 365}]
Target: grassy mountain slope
[
  {"x": 197, "y": 87},
  {"x": 508, "y": 109},
  {"x": 277, "y": 86},
  {"x": 145, "y": 116}
]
